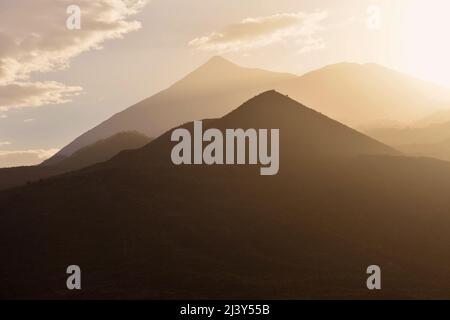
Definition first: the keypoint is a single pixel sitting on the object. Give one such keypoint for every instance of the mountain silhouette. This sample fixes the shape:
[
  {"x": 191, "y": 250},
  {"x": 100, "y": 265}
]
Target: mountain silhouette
[
  {"x": 141, "y": 227},
  {"x": 367, "y": 95},
  {"x": 103, "y": 150},
  {"x": 352, "y": 93},
  {"x": 96, "y": 153},
  {"x": 304, "y": 133},
  {"x": 219, "y": 80},
  {"x": 361, "y": 96},
  {"x": 431, "y": 140}
]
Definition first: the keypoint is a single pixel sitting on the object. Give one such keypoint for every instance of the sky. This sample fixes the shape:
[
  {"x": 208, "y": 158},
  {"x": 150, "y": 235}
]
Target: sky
[{"x": 56, "y": 83}]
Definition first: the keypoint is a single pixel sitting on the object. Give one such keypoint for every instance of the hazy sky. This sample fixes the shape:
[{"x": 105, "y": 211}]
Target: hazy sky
[{"x": 56, "y": 83}]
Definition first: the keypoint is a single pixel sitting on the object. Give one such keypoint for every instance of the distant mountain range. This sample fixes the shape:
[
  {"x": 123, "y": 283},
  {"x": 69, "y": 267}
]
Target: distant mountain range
[
  {"x": 98, "y": 152},
  {"x": 141, "y": 227},
  {"x": 365, "y": 96},
  {"x": 432, "y": 140},
  {"x": 360, "y": 96}
]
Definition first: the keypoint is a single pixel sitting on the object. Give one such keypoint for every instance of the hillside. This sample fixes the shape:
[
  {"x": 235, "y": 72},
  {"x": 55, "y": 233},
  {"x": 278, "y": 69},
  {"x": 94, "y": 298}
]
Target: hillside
[
  {"x": 98, "y": 152},
  {"x": 141, "y": 227}
]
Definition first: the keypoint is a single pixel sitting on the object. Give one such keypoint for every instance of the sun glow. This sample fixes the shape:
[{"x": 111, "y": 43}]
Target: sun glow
[{"x": 426, "y": 45}]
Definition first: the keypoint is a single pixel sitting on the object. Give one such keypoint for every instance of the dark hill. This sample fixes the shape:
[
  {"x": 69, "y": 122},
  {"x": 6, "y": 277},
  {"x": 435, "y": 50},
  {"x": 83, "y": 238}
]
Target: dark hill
[
  {"x": 104, "y": 150},
  {"x": 304, "y": 133},
  {"x": 98, "y": 152},
  {"x": 140, "y": 227}
]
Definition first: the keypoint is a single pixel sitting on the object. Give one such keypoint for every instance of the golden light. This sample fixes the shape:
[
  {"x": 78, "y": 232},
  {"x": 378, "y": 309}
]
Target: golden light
[{"x": 426, "y": 40}]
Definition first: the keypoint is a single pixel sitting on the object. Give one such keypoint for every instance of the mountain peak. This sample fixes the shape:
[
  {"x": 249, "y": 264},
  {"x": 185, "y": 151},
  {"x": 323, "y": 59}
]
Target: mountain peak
[
  {"x": 218, "y": 64},
  {"x": 271, "y": 100},
  {"x": 219, "y": 74},
  {"x": 214, "y": 60},
  {"x": 304, "y": 132},
  {"x": 271, "y": 94},
  {"x": 270, "y": 105}
]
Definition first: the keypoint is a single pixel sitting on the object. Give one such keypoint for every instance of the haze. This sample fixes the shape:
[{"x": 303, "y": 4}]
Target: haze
[{"x": 56, "y": 84}]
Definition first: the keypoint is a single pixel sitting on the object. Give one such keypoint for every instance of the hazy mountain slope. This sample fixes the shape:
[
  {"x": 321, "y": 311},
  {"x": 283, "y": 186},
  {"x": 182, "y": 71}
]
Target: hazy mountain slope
[
  {"x": 407, "y": 135},
  {"x": 431, "y": 141},
  {"x": 304, "y": 130},
  {"x": 438, "y": 150},
  {"x": 189, "y": 99},
  {"x": 98, "y": 152},
  {"x": 357, "y": 95},
  {"x": 104, "y": 150},
  {"x": 438, "y": 117},
  {"x": 140, "y": 227},
  {"x": 367, "y": 95}
]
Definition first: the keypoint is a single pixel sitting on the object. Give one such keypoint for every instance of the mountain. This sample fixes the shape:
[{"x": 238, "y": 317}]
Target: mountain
[
  {"x": 437, "y": 117},
  {"x": 103, "y": 150},
  {"x": 439, "y": 150},
  {"x": 219, "y": 80},
  {"x": 358, "y": 95},
  {"x": 431, "y": 141},
  {"x": 96, "y": 153},
  {"x": 304, "y": 131},
  {"x": 352, "y": 93},
  {"x": 141, "y": 227},
  {"x": 430, "y": 134},
  {"x": 367, "y": 95}
]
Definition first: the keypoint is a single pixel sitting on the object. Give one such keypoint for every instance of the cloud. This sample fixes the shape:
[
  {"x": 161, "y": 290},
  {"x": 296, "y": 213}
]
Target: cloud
[
  {"x": 35, "y": 94},
  {"x": 37, "y": 40},
  {"x": 25, "y": 157},
  {"x": 311, "y": 44},
  {"x": 4, "y": 143},
  {"x": 300, "y": 29}
]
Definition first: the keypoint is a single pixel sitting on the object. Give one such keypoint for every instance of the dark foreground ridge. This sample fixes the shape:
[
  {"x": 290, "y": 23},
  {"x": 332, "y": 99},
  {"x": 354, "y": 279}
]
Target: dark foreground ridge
[{"x": 140, "y": 227}]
